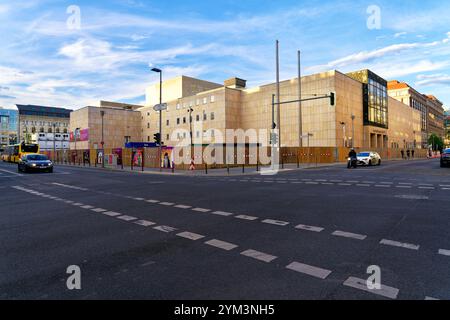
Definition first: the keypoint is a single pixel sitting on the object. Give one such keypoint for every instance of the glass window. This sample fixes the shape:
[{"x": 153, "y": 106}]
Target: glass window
[
  {"x": 212, "y": 115},
  {"x": 213, "y": 99}
]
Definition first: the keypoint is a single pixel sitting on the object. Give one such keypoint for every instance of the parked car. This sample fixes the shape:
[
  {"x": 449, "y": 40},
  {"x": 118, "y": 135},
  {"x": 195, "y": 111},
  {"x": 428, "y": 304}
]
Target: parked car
[
  {"x": 369, "y": 158},
  {"x": 35, "y": 162},
  {"x": 445, "y": 158}
]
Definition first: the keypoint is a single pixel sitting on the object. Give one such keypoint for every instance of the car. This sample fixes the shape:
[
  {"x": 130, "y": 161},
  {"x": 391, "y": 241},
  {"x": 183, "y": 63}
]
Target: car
[
  {"x": 369, "y": 158},
  {"x": 35, "y": 162},
  {"x": 445, "y": 158}
]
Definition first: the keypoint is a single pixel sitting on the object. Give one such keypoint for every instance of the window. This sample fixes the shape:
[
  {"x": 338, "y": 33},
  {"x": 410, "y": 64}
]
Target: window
[
  {"x": 49, "y": 130},
  {"x": 205, "y": 100},
  {"x": 65, "y": 131},
  {"x": 167, "y": 122},
  {"x": 197, "y": 134},
  {"x": 205, "y": 117},
  {"x": 148, "y": 138},
  {"x": 212, "y": 133},
  {"x": 178, "y": 106},
  {"x": 197, "y": 117},
  {"x": 148, "y": 125},
  {"x": 167, "y": 137},
  {"x": 184, "y": 119},
  {"x": 212, "y": 115},
  {"x": 178, "y": 120},
  {"x": 197, "y": 102},
  {"x": 41, "y": 130},
  {"x": 213, "y": 99},
  {"x": 148, "y": 114}
]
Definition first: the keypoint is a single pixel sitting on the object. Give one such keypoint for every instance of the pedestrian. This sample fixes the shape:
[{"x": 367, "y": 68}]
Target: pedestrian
[
  {"x": 408, "y": 153},
  {"x": 412, "y": 153},
  {"x": 403, "y": 154}
]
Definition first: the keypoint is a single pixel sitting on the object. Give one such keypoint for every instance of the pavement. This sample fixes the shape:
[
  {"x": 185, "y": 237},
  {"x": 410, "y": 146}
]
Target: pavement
[{"x": 301, "y": 234}]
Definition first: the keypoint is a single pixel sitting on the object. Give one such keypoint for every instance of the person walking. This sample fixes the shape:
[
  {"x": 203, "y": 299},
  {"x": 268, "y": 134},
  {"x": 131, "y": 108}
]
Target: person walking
[
  {"x": 403, "y": 154},
  {"x": 412, "y": 153},
  {"x": 408, "y": 154}
]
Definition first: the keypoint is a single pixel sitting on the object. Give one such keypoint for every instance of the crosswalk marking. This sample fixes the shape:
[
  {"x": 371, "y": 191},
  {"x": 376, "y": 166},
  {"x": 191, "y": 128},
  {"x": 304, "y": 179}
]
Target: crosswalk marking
[
  {"x": 190, "y": 235},
  {"x": 349, "y": 235},
  {"x": 275, "y": 222},
  {"x": 112, "y": 213},
  {"x": 165, "y": 229},
  {"x": 127, "y": 218},
  {"x": 245, "y": 217},
  {"x": 221, "y": 244},
  {"x": 201, "y": 210},
  {"x": 399, "y": 244},
  {"x": 144, "y": 223},
  {"x": 182, "y": 206},
  {"x": 309, "y": 228},
  {"x": 222, "y": 213}
]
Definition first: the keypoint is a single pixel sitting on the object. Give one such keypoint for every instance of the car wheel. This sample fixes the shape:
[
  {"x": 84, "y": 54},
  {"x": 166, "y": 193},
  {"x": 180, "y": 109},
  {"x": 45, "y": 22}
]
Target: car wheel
[
  {"x": 379, "y": 162},
  {"x": 370, "y": 163}
]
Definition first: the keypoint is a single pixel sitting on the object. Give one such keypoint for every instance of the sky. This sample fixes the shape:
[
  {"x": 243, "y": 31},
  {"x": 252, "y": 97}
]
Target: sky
[{"x": 74, "y": 53}]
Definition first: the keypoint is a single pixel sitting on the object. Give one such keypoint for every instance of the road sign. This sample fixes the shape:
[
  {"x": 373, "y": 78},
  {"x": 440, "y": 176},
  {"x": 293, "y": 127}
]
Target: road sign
[{"x": 160, "y": 107}]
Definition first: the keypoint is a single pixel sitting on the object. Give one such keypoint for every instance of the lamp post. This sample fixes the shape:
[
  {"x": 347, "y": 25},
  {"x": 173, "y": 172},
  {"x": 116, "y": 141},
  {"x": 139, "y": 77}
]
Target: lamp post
[
  {"x": 190, "y": 124},
  {"x": 343, "y": 134},
  {"x": 54, "y": 138},
  {"x": 353, "y": 130},
  {"x": 102, "y": 114},
  {"x": 160, "y": 114}
]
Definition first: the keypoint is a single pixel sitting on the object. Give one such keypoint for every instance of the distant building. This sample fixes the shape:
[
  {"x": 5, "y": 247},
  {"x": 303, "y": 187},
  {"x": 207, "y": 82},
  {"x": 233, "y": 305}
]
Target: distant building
[
  {"x": 8, "y": 127},
  {"x": 47, "y": 126},
  {"x": 447, "y": 127}
]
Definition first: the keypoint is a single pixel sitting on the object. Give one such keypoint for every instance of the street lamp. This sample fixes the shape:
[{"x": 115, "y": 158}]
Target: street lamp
[
  {"x": 353, "y": 130},
  {"x": 343, "y": 134},
  {"x": 190, "y": 123},
  {"x": 102, "y": 114},
  {"x": 54, "y": 138},
  {"x": 160, "y": 113}
]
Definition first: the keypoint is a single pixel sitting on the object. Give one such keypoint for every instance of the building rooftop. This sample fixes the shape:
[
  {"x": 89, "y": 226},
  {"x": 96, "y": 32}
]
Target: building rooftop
[
  {"x": 33, "y": 110},
  {"x": 395, "y": 85}
]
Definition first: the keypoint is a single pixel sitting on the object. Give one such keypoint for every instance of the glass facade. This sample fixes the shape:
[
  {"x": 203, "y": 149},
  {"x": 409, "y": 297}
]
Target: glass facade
[
  {"x": 8, "y": 126},
  {"x": 423, "y": 112},
  {"x": 378, "y": 104}
]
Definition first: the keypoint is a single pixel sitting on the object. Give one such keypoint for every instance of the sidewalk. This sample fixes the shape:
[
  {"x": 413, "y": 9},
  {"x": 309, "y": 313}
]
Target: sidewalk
[{"x": 235, "y": 171}]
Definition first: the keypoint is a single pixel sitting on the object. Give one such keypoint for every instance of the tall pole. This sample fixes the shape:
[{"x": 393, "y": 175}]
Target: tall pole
[
  {"x": 278, "y": 92},
  {"x": 54, "y": 138},
  {"x": 353, "y": 130},
  {"x": 300, "y": 124},
  {"x": 102, "y": 113},
  {"x": 160, "y": 119}
]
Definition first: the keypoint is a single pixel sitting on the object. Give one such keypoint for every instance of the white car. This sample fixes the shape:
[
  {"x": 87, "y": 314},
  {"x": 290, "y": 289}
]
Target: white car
[{"x": 369, "y": 158}]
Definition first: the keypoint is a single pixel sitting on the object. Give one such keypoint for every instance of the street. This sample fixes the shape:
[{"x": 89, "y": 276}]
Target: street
[{"x": 302, "y": 234}]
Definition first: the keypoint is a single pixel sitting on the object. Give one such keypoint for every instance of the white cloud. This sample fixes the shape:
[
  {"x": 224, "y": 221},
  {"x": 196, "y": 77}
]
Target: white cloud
[
  {"x": 433, "y": 80},
  {"x": 399, "y": 34}
]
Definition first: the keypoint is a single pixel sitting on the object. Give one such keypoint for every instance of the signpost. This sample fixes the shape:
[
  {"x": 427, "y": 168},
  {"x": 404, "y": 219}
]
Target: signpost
[{"x": 160, "y": 107}]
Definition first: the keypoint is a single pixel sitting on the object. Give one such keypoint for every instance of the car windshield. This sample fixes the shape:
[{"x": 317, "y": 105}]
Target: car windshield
[
  {"x": 447, "y": 151},
  {"x": 37, "y": 157},
  {"x": 28, "y": 148},
  {"x": 364, "y": 154}
]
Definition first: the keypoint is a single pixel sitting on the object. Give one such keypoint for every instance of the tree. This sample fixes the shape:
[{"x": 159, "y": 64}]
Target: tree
[{"x": 436, "y": 142}]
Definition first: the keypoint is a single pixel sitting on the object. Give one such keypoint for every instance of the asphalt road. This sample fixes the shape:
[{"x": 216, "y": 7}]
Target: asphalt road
[{"x": 307, "y": 234}]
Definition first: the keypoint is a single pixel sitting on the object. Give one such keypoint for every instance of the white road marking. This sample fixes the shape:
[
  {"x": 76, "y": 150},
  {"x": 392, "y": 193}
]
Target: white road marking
[
  {"x": 221, "y": 244},
  {"x": 258, "y": 255},
  {"x": 335, "y": 181},
  {"x": 327, "y": 183},
  {"x": 309, "y": 228},
  {"x": 182, "y": 206},
  {"x": 99, "y": 210},
  {"x": 404, "y": 187},
  {"x": 87, "y": 207},
  {"x": 445, "y": 188},
  {"x": 78, "y": 204},
  {"x": 444, "y": 185},
  {"x": 425, "y": 184},
  {"x": 167, "y": 204},
  {"x": 311, "y": 183},
  {"x": 345, "y": 184},
  {"x": 127, "y": 218},
  {"x": 245, "y": 217},
  {"x": 165, "y": 229},
  {"x": 152, "y": 201},
  {"x": 349, "y": 235},
  {"x": 190, "y": 235},
  {"x": 69, "y": 186},
  {"x": 385, "y": 291},
  {"x": 139, "y": 199},
  {"x": 400, "y": 244},
  {"x": 223, "y": 213},
  {"x": 12, "y": 172},
  {"x": 201, "y": 210},
  {"x": 363, "y": 185},
  {"x": 68, "y": 201},
  {"x": 406, "y": 183},
  {"x": 427, "y": 188},
  {"x": 444, "y": 252},
  {"x": 112, "y": 213},
  {"x": 275, "y": 222},
  {"x": 144, "y": 223},
  {"x": 431, "y": 299},
  {"x": 309, "y": 270},
  {"x": 386, "y": 183},
  {"x": 412, "y": 197},
  {"x": 382, "y": 186}
]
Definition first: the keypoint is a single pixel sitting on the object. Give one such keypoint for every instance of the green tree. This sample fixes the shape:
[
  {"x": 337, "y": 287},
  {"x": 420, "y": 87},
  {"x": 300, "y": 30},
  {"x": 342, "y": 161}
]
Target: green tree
[{"x": 436, "y": 142}]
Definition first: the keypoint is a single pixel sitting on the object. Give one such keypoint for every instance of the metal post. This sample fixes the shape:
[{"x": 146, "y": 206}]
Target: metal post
[
  {"x": 160, "y": 120},
  {"x": 54, "y": 138},
  {"x": 102, "y": 113},
  {"x": 143, "y": 157},
  {"x": 300, "y": 124},
  {"x": 278, "y": 92},
  {"x": 353, "y": 130},
  {"x": 206, "y": 168}
]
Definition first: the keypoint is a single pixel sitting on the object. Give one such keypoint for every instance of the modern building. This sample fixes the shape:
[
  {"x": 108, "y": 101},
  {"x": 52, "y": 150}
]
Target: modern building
[
  {"x": 364, "y": 116},
  {"x": 47, "y": 126},
  {"x": 431, "y": 110},
  {"x": 447, "y": 128},
  {"x": 8, "y": 127}
]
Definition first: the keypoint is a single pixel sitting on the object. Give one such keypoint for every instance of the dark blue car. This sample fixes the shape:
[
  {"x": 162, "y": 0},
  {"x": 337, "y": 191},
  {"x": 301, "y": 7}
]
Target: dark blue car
[{"x": 35, "y": 162}]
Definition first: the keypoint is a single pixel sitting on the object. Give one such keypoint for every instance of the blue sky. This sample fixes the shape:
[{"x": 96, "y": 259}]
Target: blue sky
[{"x": 42, "y": 61}]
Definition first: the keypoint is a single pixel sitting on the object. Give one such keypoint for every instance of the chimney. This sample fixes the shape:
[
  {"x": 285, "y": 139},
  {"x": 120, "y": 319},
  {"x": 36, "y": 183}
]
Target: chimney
[{"x": 235, "y": 83}]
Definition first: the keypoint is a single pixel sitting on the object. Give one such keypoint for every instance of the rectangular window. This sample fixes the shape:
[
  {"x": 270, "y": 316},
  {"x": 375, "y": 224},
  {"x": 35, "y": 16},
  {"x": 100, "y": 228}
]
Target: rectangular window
[
  {"x": 184, "y": 119},
  {"x": 197, "y": 102},
  {"x": 148, "y": 138},
  {"x": 197, "y": 134},
  {"x": 197, "y": 117},
  {"x": 205, "y": 100},
  {"x": 178, "y": 106},
  {"x": 178, "y": 120},
  {"x": 148, "y": 125},
  {"x": 167, "y": 137},
  {"x": 212, "y": 115},
  {"x": 205, "y": 117},
  {"x": 167, "y": 122},
  {"x": 213, "y": 99}
]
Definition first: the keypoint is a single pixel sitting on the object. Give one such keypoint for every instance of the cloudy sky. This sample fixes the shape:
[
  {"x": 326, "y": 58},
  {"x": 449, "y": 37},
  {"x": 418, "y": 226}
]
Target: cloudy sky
[{"x": 47, "y": 58}]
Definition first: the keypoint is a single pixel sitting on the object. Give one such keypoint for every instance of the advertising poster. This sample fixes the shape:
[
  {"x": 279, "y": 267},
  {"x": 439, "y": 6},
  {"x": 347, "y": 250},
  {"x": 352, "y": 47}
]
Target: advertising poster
[
  {"x": 167, "y": 157},
  {"x": 118, "y": 152},
  {"x": 137, "y": 157}
]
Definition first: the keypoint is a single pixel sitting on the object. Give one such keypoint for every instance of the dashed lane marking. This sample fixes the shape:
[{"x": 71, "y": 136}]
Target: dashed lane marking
[
  {"x": 201, "y": 210},
  {"x": 127, "y": 218},
  {"x": 145, "y": 223},
  {"x": 99, "y": 210},
  {"x": 112, "y": 213},
  {"x": 349, "y": 235},
  {"x": 222, "y": 213},
  {"x": 182, "y": 206},
  {"x": 400, "y": 244},
  {"x": 309, "y": 228},
  {"x": 361, "y": 284},
  {"x": 258, "y": 255},
  {"x": 245, "y": 217},
  {"x": 152, "y": 201},
  {"x": 275, "y": 222},
  {"x": 221, "y": 244},
  {"x": 444, "y": 252},
  {"x": 190, "y": 235},
  {"x": 167, "y": 204},
  {"x": 165, "y": 229},
  {"x": 87, "y": 207},
  {"x": 309, "y": 270}
]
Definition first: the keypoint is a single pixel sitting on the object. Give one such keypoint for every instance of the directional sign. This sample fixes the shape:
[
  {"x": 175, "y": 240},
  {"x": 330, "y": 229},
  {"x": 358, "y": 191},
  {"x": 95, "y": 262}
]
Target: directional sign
[{"x": 160, "y": 107}]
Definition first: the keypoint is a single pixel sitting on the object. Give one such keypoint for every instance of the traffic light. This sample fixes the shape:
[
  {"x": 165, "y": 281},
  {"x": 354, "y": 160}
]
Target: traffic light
[
  {"x": 332, "y": 99},
  {"x": 157, "y": 138}
]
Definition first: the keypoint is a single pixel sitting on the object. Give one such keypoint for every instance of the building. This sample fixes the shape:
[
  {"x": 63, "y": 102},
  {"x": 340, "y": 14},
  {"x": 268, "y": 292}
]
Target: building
[
  {"x": 114, "y": 126},
  {"x": 447, "y": 128},
  {"x": 435, "y": 116},
  {"x": 47, "y": 126},
  {"x": 364, "y": 116},
  {"x": 432, "y": 112},
  {"x": 8, "y": 127}
]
